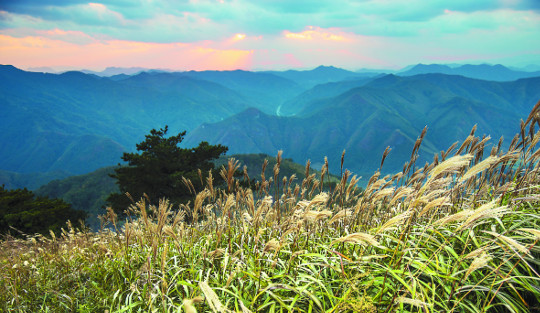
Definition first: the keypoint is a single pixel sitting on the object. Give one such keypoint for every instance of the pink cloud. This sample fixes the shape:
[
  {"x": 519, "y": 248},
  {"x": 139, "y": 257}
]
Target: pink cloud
[{"x": 76, "y": 37}]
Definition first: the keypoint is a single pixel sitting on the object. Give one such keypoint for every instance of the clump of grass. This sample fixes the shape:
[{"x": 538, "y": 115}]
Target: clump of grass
[{"x": 458, "y": 235}]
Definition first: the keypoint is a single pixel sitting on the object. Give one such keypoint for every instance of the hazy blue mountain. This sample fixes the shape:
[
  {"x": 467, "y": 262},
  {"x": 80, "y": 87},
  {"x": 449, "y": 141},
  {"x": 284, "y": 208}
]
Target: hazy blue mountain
[
  {"x": 373, "y": 71},
  {"x": 529, "y": 68},
  {"x": 389, "y": 111},
  {"x": 320, "y": 75},
  {"x": 426, "y": 69},
  {"x": 198, "y": 90},
  {"x": 483, "y": 71},
  {"x": 261, "y": 90},
  {"x": 119, "y": 77},
  {"x": 426, "y": 88}
]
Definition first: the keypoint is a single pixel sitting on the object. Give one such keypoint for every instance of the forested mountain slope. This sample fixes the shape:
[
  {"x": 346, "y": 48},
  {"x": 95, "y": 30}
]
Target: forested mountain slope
[{"x": 389, "y": 111}]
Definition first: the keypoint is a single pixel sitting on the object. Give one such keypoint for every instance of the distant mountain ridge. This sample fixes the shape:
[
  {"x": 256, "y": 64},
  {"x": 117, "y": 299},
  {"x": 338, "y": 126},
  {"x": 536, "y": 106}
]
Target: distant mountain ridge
[
  {"x": 483, "y": 71},
  {"x": 321, "y": 75},
  {"x": 319, "y": 93}
]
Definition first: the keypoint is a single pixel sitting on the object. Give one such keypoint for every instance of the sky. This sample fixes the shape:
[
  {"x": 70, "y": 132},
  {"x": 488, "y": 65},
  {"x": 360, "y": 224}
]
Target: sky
[{"x": 267, "y": 34}]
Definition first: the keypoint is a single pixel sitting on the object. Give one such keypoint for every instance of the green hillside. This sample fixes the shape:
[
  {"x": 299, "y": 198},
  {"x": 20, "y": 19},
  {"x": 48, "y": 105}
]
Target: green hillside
[{"x": 84, "y": 192}]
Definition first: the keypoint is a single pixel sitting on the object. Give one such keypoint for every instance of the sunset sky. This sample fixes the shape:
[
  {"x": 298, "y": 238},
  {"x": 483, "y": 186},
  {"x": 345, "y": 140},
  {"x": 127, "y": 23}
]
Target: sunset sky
[{"x": 266, "y": 34}]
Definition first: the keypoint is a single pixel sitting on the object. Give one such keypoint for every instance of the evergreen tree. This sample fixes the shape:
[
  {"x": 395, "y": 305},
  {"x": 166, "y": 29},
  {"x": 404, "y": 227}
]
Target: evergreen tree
[
  {"x": 22, "y": 210},
  {"x": 158, "y": 168}
]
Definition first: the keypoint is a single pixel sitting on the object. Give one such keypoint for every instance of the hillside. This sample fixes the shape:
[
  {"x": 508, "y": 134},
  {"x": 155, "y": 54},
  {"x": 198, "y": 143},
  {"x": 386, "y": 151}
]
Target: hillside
[{"x": 86, "y": 192}]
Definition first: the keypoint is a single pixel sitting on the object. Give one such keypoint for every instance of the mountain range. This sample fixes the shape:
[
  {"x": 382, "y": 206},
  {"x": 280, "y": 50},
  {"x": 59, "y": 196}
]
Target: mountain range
[{"x": 54, "y": 125}]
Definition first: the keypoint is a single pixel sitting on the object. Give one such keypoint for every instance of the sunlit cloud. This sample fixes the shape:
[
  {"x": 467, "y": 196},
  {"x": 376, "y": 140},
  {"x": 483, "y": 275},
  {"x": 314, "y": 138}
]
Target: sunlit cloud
[{"x": 316, "y": 33}]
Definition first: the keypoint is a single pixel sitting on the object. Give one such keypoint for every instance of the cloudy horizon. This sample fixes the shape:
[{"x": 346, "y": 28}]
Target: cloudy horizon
[{"x": 264, "y": 35}]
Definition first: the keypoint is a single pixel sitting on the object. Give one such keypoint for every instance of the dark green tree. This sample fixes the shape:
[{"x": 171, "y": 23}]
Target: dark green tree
[
  {"x": 158, "y": 168},
  {"x": 22, "y": 210}
]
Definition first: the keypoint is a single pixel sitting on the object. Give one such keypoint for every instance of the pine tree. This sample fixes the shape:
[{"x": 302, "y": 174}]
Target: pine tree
[{"x": 158, "y": 168}]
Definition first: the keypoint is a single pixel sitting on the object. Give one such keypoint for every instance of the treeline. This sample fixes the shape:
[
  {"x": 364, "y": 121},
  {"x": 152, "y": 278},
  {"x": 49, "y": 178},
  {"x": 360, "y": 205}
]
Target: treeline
[{"x": 22, "y": 212}]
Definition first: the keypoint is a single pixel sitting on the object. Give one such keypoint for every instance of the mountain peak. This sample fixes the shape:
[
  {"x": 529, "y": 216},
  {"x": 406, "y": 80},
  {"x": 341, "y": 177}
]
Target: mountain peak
[
  {"x": 385, "y": 80},
  {"x": 77, "y": 74},
  {"x": 325, "y": 68},
  {"x": 9, "y": 68},
  {"x": 431, "y": 66},
  {"x": 427, "y": 68},
  {"x": 484, "y": 67}
]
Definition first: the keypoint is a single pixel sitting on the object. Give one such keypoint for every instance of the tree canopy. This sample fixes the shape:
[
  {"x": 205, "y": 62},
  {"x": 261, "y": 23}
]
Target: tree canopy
[
  {"x": 22, "y": 210},
  {"x": 159, "y": 167}
]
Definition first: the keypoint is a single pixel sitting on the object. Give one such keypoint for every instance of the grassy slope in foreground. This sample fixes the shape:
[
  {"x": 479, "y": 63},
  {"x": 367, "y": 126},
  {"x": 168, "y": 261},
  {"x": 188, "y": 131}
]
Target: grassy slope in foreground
[{"x": 458, "y": 235}]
